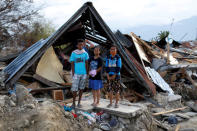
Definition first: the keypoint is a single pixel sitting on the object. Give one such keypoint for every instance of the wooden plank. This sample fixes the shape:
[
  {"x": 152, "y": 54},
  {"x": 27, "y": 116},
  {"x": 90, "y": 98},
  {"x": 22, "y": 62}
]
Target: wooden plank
[
  {"x": 177, "y": 127},
  {"x": 165, "y": 112},
  {"x": 45, "y": 81},
  {"x": 187, "y": 66},
  {"x": 168, "y": 53},
  {"x": 188, "y": 52},
  {"x": 50, "y": 89}
]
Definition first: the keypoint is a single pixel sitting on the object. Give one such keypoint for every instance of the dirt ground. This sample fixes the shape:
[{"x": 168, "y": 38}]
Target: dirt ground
[{"x": 22, "y": 113}]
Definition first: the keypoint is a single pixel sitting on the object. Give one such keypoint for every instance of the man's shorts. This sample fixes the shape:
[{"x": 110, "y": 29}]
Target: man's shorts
[
  {"x": 78, "y": 82},
  {"x": 114, "y": 86}
]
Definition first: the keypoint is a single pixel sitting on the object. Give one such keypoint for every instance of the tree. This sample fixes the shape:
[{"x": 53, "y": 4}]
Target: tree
[
  {"x": 15, "y": 16},
  {"x": 40, "y": 29},
  {"x": 161, "y": 35}
]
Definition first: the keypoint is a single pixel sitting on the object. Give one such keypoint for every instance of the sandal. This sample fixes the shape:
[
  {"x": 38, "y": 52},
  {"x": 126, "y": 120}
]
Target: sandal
[
  {"x": 109, "y": 106},
  {"x": 93, "y": 104},
  {"x": 96, "y": 104},
  {"x": 72, "y": 106},
  {"x": 116, "y": 106},
  {"x": 79, "y": 106}
]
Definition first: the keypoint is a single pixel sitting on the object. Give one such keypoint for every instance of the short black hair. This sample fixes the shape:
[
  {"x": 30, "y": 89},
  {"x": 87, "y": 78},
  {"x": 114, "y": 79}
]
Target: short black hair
[
  {"x": 80, "y": 40},
  {"x": 97, "y": 47},
  {"x": 114, "y": 46}
]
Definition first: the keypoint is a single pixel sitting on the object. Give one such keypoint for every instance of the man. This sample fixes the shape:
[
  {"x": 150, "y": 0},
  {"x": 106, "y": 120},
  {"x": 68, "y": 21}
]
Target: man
[
  {"x": 79, "y": 65},
  {"x": 113, "y": 66}
]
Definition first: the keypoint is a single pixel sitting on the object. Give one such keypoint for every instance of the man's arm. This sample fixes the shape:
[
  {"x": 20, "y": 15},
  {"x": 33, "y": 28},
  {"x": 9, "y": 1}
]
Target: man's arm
[
  {"x": 91, "y": 45},
  {"x": 87, "y": 67},
  {"x": 72, "y": 68}
]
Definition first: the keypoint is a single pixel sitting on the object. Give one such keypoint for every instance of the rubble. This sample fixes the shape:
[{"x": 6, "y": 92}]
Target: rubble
[{"x": 44, "y": 116}]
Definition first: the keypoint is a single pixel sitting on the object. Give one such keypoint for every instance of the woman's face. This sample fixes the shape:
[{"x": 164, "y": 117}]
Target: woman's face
[{"x": 113, "y": 51}]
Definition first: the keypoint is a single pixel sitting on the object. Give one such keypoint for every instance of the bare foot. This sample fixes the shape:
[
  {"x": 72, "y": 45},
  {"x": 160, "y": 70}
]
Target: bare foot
[
  {"x": 109, "y": 106},
  {"x": 93, "y": 104},
  {"x": 97, "y": 104},
  {"x": 116, "y": 106}
]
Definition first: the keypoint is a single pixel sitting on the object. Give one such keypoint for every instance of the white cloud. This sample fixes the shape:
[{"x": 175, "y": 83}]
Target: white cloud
[{"x": 120, "y": 14}]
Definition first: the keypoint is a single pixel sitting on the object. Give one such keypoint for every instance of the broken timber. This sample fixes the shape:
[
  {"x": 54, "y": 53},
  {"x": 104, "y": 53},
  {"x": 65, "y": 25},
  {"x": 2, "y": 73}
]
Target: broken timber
[
  {"x": 45, "y": 81},
  {"x": 165, "y": 112},
  {"x": 51, "y": 88}
]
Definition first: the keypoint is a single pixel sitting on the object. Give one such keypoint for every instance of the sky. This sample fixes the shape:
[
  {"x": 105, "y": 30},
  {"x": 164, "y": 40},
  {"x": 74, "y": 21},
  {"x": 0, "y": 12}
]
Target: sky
[{"x": 121, "y": 14}]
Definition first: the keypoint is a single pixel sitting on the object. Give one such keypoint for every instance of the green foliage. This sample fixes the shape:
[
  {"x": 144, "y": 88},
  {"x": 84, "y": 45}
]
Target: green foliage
[
  {"x": 38, "y": 30},
  {"x": 14, "y": 18},
  {"x": 161, "y": 35}
]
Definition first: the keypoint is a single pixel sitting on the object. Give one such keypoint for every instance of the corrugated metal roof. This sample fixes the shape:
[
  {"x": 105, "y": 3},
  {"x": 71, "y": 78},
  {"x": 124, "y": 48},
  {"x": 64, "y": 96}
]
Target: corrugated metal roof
[
  {"x": 157, "y": 79},
  {"x": 123, "y": 39},
  {"x": 23, "y": 58}
]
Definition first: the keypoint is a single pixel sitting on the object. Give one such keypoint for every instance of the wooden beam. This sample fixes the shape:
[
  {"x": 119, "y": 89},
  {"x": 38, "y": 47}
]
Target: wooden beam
[
  {"x": 177, "y": 127},
  {"x": 50, "y": 88},
  {"x": 45, "y": 81},
  {"x": 165, "y": 112}
]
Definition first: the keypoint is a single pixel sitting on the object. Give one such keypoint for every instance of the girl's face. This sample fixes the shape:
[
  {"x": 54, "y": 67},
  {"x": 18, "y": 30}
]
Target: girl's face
[{"x": 96, "y": 51}]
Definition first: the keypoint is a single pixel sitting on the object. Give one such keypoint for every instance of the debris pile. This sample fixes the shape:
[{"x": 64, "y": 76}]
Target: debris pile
[{"x": 21, "y": 111}]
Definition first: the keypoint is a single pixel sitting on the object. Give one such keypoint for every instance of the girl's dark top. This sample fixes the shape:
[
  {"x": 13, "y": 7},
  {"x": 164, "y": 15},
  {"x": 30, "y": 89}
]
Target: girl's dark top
[{"x": 94, "y": 65}]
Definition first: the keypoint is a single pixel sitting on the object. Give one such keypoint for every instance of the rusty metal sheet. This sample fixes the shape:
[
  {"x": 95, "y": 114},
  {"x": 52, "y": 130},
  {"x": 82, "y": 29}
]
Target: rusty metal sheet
[
  {"x": 157, "y": 79},
  {"x": 150, "y": 86}
]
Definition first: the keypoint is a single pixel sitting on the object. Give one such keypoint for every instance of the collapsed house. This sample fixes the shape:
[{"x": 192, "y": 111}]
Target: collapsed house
[
  {"x": 86, "y": 23},
  {"x": 148, "y": 68}
]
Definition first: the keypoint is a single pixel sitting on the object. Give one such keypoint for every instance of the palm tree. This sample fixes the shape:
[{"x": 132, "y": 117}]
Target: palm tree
[{"x": 163, "y": 34}]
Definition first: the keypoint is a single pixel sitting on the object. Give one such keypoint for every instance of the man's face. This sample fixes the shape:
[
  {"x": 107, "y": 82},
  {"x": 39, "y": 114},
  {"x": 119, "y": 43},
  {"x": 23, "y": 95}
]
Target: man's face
[
  {"x": 113, "y": 51},
  {"x": 80, "y": 45}
]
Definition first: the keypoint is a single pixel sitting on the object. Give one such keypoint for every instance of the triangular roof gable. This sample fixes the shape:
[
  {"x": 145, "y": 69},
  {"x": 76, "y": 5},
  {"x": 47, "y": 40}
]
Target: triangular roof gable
[{"x": 16, "y": 74}]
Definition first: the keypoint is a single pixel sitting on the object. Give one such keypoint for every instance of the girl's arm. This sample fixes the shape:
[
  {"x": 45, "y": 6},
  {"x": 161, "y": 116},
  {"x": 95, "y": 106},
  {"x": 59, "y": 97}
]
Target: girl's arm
[
  {"x": 100, "y": 64},
  {"x": 99, "y": 69}
]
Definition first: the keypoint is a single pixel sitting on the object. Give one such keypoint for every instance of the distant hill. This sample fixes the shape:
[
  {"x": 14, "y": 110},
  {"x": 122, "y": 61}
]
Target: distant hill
[{"x": 179, "y": 29}]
